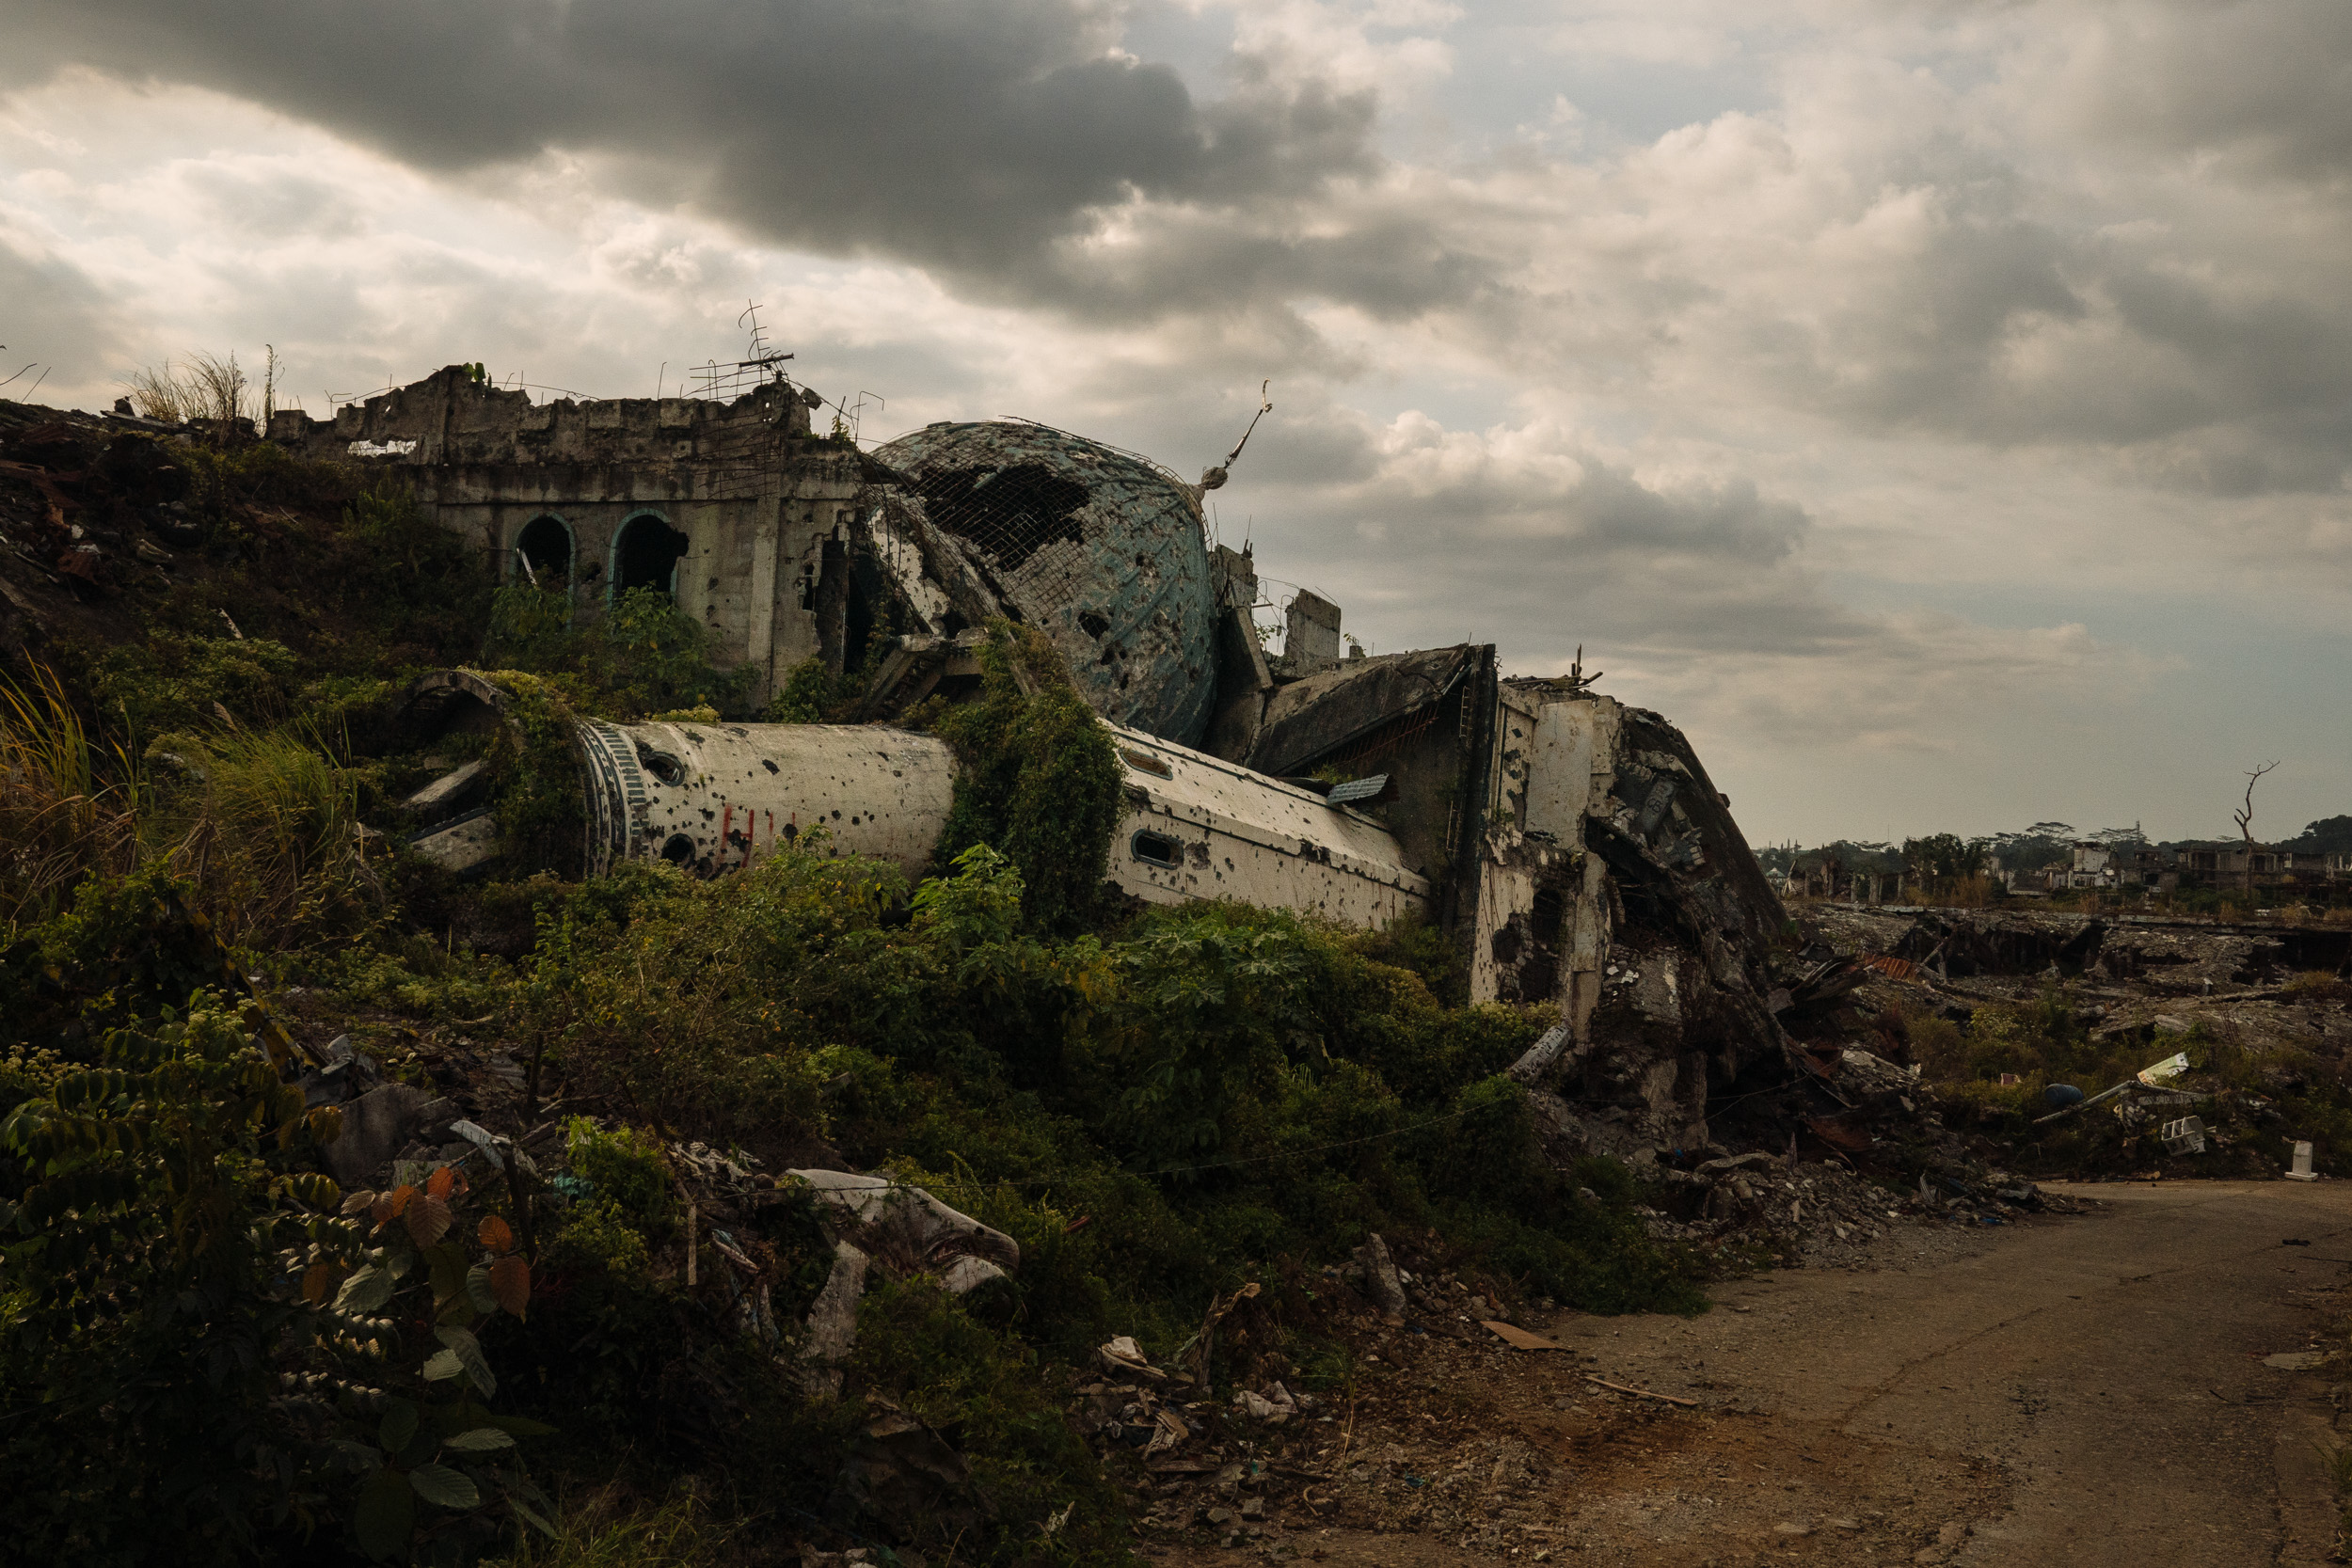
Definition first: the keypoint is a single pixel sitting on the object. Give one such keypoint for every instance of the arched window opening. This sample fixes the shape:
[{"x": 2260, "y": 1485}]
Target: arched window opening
[
  {"x": 546, "y": 543},
  {"x": 646, "y": 556}
]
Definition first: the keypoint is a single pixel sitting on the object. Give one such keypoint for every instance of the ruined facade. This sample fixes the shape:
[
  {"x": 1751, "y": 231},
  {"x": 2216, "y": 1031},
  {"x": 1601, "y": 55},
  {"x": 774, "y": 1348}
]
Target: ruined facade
[
  {"x": 726, "y": 508},
  {"x": 1573, "y": 845}
]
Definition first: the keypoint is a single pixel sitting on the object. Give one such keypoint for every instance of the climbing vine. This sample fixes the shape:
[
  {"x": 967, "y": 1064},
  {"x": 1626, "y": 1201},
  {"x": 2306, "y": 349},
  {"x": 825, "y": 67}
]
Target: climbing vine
[
  {"x": 534, "y": 773},
  {"x": 1038, "y": 780}
]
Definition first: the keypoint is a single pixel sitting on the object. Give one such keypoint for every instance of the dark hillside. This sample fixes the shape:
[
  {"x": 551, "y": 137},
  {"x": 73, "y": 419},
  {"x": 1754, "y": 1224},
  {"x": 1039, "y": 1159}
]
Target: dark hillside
[{"x": 352, "y": 1211}]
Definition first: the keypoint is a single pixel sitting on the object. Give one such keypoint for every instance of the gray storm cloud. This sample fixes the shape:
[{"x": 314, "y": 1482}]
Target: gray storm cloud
[{"x": 968, "y": 136}]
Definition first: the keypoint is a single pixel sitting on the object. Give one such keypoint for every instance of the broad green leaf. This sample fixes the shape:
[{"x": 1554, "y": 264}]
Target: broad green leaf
[
  {"x": 521, "y": 1426},
  {"x": 443, "y": 1365},
  {"x": 449, "y": 1264},
  {"x": 399, "y": 1424},
  {"x": 438, "y": 1484},
  {"x": 469, "y": 1351},
  {"x": 387, "y": 1512},
  {"x": 478, "y": 1291},
  {"x": 355, "y": 1455},
  {"x": 364, "y": 1291},
  {"x": 480, "y": 1440}
]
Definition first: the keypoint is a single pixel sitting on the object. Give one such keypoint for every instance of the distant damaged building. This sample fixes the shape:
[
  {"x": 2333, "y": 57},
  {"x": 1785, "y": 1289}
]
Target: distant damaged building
[{"x": 1573, "y": 845}]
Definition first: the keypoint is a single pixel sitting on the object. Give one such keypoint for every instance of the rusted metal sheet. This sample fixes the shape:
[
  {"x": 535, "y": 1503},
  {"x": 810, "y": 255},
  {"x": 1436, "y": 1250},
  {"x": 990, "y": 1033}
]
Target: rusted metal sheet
[
  {"x": 1199, "y": 827},
  {"x": 1890, "y": 966},
  {"x": 1100, "y": 548}
]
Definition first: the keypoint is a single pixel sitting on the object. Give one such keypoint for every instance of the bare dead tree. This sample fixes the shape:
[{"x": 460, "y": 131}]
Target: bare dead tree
[{"x": 2244, "y": 818}]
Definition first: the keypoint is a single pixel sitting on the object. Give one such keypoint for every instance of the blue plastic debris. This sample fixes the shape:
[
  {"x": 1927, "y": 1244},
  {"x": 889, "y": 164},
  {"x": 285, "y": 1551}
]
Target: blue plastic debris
[{"x": 2060, "y": 1096}]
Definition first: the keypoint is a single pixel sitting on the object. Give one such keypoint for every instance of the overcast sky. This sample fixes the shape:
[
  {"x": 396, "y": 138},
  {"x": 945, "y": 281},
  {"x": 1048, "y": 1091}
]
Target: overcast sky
[{"x": 1941, "y": 410}]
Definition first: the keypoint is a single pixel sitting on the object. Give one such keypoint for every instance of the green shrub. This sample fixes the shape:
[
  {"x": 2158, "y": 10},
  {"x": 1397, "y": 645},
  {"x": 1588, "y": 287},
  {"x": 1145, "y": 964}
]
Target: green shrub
[
  {"x": 1039, "y": 778},
  {"x": 626, "y": 1169},
  {"x": 642, "y": 655}
]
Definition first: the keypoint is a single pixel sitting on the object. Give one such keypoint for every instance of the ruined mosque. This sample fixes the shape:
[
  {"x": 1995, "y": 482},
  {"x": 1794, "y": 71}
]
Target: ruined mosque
[{"x": 1571, "y": 844}]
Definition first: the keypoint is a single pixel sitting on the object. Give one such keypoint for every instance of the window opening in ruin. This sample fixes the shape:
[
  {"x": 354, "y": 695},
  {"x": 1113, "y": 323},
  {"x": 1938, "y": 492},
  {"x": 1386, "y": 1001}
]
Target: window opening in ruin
[
  {"x": 545, "y": 542},
  {"x": 677, "y": 849},
  {"x": 1156, "y": 849},
  {"x": 645, "y": 555},
  {"x": 1551, "y": 914},
  {"x": 1010, "y": 513},
  {"x": 662, "y": 764}
]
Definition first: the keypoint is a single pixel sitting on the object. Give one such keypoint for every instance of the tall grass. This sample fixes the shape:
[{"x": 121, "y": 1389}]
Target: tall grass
[
  {"x": 264, "y": 825},
  {"x": 606, "y": 1528},
  {"x": 203, "y": 386},
  {"x": 60, "y": 817},
  {"x": 267, "y": 828}
]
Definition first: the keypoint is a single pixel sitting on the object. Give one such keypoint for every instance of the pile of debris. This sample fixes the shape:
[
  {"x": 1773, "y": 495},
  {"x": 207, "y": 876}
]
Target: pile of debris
[{"x": 1826, "y": 1214}]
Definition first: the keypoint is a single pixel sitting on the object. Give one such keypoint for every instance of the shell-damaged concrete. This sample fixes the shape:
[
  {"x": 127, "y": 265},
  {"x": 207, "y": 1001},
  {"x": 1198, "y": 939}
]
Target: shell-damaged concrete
[
  {"x": 711, "y": 799},
  {"x": 1199, "y": 827},
  {"x": 788, "y": 546},
  {"x": 1573, "y": 849},
  {"x": 1100, "y": 549},
  {"x": 732, "y": 509}
]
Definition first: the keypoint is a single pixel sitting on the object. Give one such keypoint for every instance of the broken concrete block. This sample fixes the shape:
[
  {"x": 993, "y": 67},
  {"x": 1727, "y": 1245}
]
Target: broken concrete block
[
  {"x": 1548, "y": 1049},
  {"x": 1381, "y": 1278},
  {"x": 908, "y": 1229},
  {"x": 375, "y": 1126},
  {"x": 448, "y": 789},
  {"x": 968, "y": 1274},
  {"x": 832, "y": 1323},
  {"x": 469, "y": 842}
]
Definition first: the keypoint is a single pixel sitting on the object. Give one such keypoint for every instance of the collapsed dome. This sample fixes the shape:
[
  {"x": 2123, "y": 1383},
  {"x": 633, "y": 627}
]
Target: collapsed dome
[{"x": 1100, "y": 549}]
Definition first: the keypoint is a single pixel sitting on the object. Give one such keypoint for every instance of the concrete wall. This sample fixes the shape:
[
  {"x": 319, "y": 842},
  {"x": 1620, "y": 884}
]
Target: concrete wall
[{"x": 757, "y": 498}]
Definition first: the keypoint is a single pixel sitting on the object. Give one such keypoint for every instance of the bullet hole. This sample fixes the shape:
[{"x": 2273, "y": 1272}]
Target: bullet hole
[{"x": 770, "y": 765}]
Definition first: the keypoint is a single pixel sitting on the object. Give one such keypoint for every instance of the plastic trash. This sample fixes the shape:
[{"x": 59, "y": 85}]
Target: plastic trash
[{"x": 2057, "y": 1096}]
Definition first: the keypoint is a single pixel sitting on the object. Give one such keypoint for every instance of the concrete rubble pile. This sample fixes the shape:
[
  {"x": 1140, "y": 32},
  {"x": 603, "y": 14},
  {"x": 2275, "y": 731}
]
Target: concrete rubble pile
[
  {"x": 1572, "y": 845},
  {"x": 2142, "y": 989}
]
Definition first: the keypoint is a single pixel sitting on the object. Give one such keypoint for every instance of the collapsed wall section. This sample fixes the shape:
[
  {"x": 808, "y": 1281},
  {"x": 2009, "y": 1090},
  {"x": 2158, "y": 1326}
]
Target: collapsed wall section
[{"x": 710, "y": 798}]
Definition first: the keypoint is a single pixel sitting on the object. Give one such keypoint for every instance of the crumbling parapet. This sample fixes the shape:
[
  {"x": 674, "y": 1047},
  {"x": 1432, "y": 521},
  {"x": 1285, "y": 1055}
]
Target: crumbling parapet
[
  {"x": 730, "y": 509},
  {"x": 450, "y": 419}
]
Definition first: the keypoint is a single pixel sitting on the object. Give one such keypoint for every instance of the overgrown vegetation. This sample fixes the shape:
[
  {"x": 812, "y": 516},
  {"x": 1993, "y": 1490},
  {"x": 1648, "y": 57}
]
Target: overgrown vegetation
[
  {"x": 642, "y": 656},
  {"x": 209, "y": 1353}
]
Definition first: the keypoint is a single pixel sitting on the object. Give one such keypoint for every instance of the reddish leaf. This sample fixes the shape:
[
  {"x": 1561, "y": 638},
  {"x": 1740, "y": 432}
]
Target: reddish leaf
[
  {"x": 495, "y": 1235},
  {"x": 510, "y": 1281},
  {"x": 428, "y": 1220},
  {"x": 392, "y": 1205},
  {"x": 439, "y": 1183}
]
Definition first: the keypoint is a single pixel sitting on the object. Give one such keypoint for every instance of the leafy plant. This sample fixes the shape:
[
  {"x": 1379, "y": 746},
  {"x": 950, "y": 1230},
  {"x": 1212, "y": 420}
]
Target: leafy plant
[
  {"x": 148, "y": 1185},
  {"x": 1039, "y": 780},
  {"x": 429, "y": 1441}
]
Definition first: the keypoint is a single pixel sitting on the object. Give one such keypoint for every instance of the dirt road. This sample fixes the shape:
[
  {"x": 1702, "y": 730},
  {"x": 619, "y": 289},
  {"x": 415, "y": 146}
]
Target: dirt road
[{"x": 2087, "y": 1392}]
